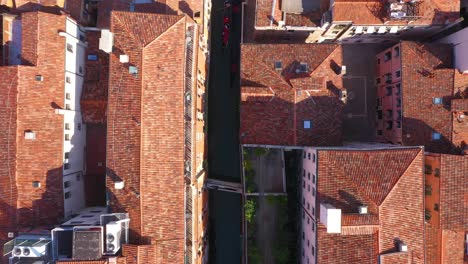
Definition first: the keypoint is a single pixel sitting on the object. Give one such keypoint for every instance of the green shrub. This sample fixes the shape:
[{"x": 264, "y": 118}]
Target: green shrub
[
  {"x": 250, "y": 210},
  {"x": 261, "y": 152}
]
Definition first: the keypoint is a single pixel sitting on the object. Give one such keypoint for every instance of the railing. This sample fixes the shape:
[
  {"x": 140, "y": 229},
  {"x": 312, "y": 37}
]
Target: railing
[{"x": 188, "y": 142}]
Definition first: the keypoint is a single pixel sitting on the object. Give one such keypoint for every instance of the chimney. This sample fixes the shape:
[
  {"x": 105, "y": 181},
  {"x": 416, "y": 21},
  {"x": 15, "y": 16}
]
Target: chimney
[
  {"x": 362, "y": 209},
  {"x": 331, "y": 218},
  {"x": 402, "y": 247}
]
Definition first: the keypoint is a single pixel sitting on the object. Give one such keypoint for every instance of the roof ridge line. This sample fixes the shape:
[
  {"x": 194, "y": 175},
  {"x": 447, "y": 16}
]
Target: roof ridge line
[
  {"x": 124, "y": 25},
  {"x": 165, "y": 31},
  {"x": 401, "y": 176},
  {"x": 276, "y": 74},
  {"x": 328, "y": 56}
]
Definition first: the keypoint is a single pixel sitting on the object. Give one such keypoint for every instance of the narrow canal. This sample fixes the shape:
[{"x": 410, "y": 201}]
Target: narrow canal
[{"x": 223, "y": 140}]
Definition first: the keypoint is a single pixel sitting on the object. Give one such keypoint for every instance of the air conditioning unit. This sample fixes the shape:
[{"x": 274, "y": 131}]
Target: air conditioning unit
[
  {"x": 402, "y": 247},
  {"x": 30, "y": 252},
  {"x": 113, "y": 235},
  {"x": 362, "y": 209}
]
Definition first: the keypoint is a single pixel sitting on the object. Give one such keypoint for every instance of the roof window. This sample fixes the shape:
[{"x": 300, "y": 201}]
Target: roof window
[
  {"x": 133, "y": 70},
  {"x": 278, "y": 65},
  {"x": 303, "y": 67},
  {"x": 437, "y": 100},
  {"x": 39, "y": 78},
  {"x": 435, "y": 136},
  {"x": 307, "y": 124}
]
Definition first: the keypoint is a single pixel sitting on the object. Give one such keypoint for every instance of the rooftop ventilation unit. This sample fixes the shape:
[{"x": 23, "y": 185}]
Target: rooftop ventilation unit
[
  {"x": 343, "y": 96},
  {"x": 119, "y": 185},
  {"x": 106, "y": 41},
  {"x": 116, "y": 230},
  {"x": 402, "y": 247},
  {"x": 343, "y": 70},
  {"x": 281, "y": 24},
  {"x": 29, "y": 135},
  {"x": 31, "y": 247},
  {"x": 362, "y": 209},
  {"x": 124, "y": 58},
  {"x": 331, "y": 218}
]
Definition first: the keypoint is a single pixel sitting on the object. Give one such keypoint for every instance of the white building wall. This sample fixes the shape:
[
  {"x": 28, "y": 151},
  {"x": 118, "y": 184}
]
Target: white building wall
[
  {"x": 74, "y": 130},
  {"x": 460, "y": 41},
  {"x": 309, "y": 194}
]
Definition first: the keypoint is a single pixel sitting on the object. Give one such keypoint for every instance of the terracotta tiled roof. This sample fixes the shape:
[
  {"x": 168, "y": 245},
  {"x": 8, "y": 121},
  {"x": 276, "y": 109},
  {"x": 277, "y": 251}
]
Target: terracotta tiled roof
[
  {"x": 364, "y": 12},
  {"x": 146, "y": 129},
  {"x": 359, "y": 219},
  {"x": 94, "y": 96},
  {"x": 395, "y": 258},
  {"x": 345, "y": 249},
  {"x": 453, "y": 246},
  {"x": 26, "y": 105},
  {"x": 370, "y": 175},
  {"x": 263, "y": 15},
  {"x": 460, "y": 105},
  {"x": 275, "y": 103},
  {"x": 427, "y": 73},
  {"x": 373, "y": 12},
  {"x": 390, "y": 183},
  {"x": 453, "y": 190}
]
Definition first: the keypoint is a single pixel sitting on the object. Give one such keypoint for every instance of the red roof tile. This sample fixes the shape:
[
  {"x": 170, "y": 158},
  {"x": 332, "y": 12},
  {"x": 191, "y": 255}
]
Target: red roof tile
[
  {"x": 390, "y": 183},
  {"x": 395, "y": 258},
  {"x": 460, "y": 105},
  {"x": 345, "y": 249},
  {"x": 145, "y": 129},
  {"x": 453, "y": 189},
  {"x": 95, "y": 86},
  {"x": 34, "y": 206},
  {"x": 359, "y": 219},
  {"x": 453, "y": 246},
  {"x": 372, "y": 12},
  {"x": 275, "y": 104},
  {"x": 420, "y": 116}
]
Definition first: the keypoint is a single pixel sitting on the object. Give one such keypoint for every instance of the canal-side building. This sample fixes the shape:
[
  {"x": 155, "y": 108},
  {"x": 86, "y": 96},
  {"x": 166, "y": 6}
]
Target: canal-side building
[
  {"x": 445, "y": 210},
  {"x": 362, "y": 204},
  {"x": 154, "y": 170},
  {"x": 345, "y": 21}
]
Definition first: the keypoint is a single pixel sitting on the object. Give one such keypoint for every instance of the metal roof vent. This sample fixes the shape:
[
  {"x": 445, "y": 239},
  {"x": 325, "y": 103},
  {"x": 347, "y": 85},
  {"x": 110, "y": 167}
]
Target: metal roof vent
[
  {"x": 402, "y": 247},
  {"x": 124, "y": 58},
  {"x": 362, "y": 209},
  {"x": 119, "y": 185},
  {"x": 28, "y": 134}
]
